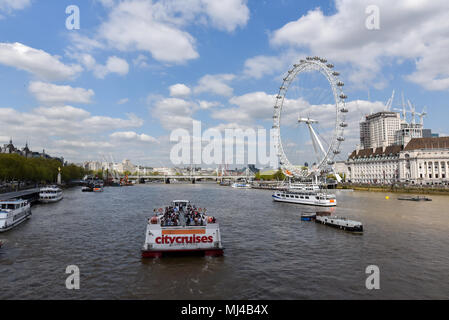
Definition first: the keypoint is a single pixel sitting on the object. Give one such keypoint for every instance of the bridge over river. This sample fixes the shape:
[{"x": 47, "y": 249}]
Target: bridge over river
[
  {"x": 29, "y": 194},
  {"x": 192, "y": 178}
]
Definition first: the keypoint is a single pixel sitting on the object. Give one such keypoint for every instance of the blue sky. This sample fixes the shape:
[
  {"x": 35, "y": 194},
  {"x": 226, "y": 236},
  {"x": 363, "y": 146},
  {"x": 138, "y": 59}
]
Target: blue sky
[{"x": 105, "y": 89}]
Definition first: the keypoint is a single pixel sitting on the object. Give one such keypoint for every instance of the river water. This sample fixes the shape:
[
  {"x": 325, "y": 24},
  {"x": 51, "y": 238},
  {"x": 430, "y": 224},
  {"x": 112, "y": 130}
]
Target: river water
[{"x": 270, "y": 253}]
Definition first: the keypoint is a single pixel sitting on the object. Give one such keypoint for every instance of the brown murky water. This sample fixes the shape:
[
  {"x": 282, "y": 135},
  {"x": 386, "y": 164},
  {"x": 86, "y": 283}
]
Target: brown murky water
[{"x": 270, "y": 253}]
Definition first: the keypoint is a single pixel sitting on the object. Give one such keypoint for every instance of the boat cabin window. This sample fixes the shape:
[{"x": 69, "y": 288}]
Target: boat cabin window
[{"x": 9, "y": 206}]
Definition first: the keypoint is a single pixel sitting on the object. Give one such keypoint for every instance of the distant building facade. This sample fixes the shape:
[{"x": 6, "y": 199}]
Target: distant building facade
[
  {"x": 423, "y": 161},
  {"x": 9, "y": 148}
]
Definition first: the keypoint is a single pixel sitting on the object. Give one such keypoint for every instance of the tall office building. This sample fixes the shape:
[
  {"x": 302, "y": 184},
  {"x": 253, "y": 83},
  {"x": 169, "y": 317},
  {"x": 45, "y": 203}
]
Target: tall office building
[{"x": 379, "y": 129}]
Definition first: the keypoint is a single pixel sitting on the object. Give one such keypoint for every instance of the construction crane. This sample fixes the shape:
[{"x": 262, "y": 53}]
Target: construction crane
[
  {"x": 412, "y": 111},
  {"x": 422, "y": 115},
  {"x": 390, "y": 102}
]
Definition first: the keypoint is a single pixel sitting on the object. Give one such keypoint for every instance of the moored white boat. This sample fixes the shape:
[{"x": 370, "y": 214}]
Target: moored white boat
[
  {"x": 50, "y": 194},
  {"x": 181, "y": 228},
  {"x": 304, "y": 186},
  {"x": 13, "y": 213},
  {"x": 241, "y": 185},
  {"x": 306, "y": 197}
]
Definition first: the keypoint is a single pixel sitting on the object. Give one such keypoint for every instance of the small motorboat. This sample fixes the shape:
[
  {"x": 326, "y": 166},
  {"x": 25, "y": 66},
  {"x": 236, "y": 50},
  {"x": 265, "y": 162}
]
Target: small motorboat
[
  {"x": 308, "y": 216},
  {"x": 87, "y": 189}
]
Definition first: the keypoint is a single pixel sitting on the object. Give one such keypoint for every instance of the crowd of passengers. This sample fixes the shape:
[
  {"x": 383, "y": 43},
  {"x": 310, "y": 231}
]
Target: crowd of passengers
[{"x": 192, "y": 215}]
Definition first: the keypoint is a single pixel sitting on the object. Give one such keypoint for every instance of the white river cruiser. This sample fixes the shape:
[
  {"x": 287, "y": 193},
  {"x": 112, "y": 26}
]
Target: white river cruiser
[
  {"x": 50, "y": 194},
  {"x": 313, "y": 198},
  {"x": 182, "y": 228},
  {"x": 13, "y": 213}
]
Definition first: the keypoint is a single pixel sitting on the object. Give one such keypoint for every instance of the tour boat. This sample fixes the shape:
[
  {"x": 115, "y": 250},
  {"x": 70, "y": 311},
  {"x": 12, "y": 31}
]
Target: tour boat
[
  {"x": 13, "y": 213},
  {"x": 181, "y": 228},
  {"x": 340, "y": 223},
  {"x": 241, "y": 185},
  {"x": 50, "y": 194},
  {"x": 305, "y": 197}
]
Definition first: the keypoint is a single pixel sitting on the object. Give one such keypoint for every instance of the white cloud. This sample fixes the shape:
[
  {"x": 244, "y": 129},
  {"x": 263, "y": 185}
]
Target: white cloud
[
  {"x": 37, "y": 62},
  {"x": 141, "y": 61},
  {"x": 180, "y": 90},
  {"x": 83, "y": 43},
  {"x": 259, "y": 66},
  {"x": 65, "y": 131},
  {"x": 174, "y": 113},
  {"x": 250, "y": 107},
  {"x": 123, "y": 101},
  {"x": 113, "y": 65},
  {"x": 131, "y": 136},
  {"x": 215, "y": 84},
  {"x": 227, "y": 14},
  {"x": 158, "y": 27},
  {"x": 409, "y": 29},
  {"x": 54, "y": 94},
  {"x": 63, "y": 112},
  {"x": 134, "y": 25},
  {"x": 205, "y": 105},
  {"x": 10, "y": 5},
  {"x": 59, "y": 121}
]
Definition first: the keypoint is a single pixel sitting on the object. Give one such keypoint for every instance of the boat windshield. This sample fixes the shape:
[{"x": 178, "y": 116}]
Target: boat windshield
[{"x": 8, "y": 206}]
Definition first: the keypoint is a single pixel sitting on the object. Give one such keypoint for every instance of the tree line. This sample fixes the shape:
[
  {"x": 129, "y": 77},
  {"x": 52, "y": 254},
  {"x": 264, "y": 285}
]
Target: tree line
[
  {"x": 16, "y": 167},
  {"x": 278, "y": 176}
]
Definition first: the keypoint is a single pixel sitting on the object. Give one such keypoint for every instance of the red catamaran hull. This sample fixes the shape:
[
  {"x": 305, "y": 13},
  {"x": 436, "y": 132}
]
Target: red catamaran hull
[{"x": 206, "y": 252}]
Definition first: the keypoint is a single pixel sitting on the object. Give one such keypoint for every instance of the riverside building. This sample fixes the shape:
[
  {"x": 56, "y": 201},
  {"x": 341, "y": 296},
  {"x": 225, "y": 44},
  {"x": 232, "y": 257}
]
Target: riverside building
[{"x": 422, "y": 161}]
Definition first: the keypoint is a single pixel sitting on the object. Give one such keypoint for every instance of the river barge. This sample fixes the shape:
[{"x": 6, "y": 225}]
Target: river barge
[
  {"x": 339, "y": 223},
  {"x": 416, "y": 198},
  {"x": 181, "y": 228}
]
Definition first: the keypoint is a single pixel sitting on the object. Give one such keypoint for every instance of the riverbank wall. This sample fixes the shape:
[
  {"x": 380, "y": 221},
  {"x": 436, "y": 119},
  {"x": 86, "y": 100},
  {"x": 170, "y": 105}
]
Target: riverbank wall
[{"x": 395, "y": 189}]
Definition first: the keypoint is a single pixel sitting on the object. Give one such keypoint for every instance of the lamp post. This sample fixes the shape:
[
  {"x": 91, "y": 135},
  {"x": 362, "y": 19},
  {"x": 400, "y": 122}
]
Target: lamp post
[{"x": 59, "y": 176}]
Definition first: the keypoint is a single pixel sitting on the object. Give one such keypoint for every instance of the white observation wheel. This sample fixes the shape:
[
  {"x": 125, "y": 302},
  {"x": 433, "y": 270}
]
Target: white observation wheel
[{"x": 325, "y": 155}]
